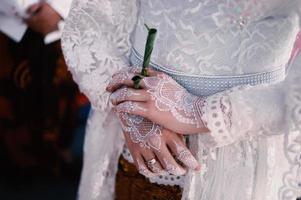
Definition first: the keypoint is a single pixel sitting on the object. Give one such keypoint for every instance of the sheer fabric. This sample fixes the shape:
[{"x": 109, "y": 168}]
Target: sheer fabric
[
  {"x": 208, "y": 37},
  {"x": 96, "y": 44}
]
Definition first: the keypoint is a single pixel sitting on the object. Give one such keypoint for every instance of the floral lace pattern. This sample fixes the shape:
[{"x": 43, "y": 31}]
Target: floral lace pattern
[
  {"x": 198, "y": 29},
  {"x": 196, "y": 37},
  {"x": 91, "y": 58},
  {"x": 96, "y": 44},
  {"x": 291, "y": 187},
  {"x": 238, "y": 13}
]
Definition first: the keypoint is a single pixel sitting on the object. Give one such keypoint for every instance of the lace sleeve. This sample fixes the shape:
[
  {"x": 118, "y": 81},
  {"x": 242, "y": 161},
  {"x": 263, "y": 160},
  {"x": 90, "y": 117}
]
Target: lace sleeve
[
  {"x": 247, "y": 111},
  {"x": 96, "y": 43}
]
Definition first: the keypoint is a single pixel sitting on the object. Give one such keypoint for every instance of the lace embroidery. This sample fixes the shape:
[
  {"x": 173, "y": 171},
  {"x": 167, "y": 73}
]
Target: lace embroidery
[
  {"x": 238, "y": 13},
  {"x": 201, "y": 28},
  {"x": 166, "y": 179},
  {"x": 217, "y": 119},
  {"x": 95, "y": 49},
  {"x": 292, "y": 144}
]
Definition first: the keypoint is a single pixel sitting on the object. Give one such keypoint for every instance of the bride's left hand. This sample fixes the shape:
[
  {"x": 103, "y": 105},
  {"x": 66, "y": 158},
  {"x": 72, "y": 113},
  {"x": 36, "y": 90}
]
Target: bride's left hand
[{"x": 160, "y": 99}]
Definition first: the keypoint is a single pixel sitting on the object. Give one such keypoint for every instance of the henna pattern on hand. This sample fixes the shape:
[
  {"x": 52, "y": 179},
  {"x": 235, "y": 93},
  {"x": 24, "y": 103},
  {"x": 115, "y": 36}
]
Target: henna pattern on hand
[
  {"x": 170, "y": 96},
  {"x": 142, "y": 131}
]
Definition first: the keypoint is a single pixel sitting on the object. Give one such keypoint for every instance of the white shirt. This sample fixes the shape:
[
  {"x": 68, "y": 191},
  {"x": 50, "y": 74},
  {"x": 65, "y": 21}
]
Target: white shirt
[{"x": 12, "y": 12}]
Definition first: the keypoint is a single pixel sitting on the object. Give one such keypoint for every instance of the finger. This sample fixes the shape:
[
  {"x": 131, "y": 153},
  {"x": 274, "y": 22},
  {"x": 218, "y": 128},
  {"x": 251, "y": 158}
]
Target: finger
[
  {"x": 128, "y": 94},
  {"x": 34, "y": 8},
  {"x": 183, "y": 154},
  {"x": 137, "y": 157},
  {"x": 125, "y": 79},
  {"x": 142, "y": 168},
  {"x": 30, "y": 21},
  {"x": 156, "y": 168},
  {"x": 168, "y": 162},
  {"x": 135, "y": 108},
  {"x": 120, "y": 79}
]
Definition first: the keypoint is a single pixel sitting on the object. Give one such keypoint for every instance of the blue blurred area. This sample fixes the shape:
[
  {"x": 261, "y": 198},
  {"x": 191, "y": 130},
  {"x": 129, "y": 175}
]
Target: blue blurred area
[{"x": 79, "y": 135}]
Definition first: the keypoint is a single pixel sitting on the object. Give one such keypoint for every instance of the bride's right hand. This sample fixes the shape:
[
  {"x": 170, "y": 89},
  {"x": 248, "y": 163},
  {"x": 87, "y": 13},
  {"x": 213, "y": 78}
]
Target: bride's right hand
[{"x": 152, "y": 147}]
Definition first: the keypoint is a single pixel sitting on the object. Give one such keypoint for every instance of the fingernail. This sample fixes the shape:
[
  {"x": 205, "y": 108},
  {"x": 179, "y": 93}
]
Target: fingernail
[
  {"x": 177, "y": 171},
  {"x": 145, "y": 172},
  {"x": 181, "y": 171}
]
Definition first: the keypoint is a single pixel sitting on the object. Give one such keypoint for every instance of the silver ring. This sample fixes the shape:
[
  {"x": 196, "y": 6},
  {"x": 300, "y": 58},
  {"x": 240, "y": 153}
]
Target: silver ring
[{"x": 151, "y": 162}]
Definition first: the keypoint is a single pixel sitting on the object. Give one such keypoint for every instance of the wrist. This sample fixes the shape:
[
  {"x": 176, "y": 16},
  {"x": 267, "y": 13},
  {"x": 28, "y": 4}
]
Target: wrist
[{"x": 199, "y": 111}]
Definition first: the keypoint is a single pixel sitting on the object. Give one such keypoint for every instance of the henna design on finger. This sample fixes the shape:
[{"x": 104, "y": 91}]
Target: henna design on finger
[
  {"x": 154, "y": 166},
  {"x": 122, "y": 95},
  {"x": 185, "y": 156},
  {"x": 169, "y": 167},
  {"x": 172, "y": 169},
  {"x": 143, "y": 170},
  {"x": 130, "y": 107}
]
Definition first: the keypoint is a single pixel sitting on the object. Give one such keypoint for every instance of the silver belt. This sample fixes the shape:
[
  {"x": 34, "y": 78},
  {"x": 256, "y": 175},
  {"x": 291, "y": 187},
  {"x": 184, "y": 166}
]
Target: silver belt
[{"x": 207, "y": 85}]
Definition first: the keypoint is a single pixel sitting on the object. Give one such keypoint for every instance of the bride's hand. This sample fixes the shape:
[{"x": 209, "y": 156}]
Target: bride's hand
[
  {"x": 152, "y": 147},
  {"x": 160, "y": 99}
]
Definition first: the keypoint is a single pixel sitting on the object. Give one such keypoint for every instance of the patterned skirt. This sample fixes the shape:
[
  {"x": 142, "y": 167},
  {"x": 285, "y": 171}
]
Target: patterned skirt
[{"x": 130, "y": 185}]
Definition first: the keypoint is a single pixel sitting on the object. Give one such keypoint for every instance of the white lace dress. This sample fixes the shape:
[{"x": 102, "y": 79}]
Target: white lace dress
[{"x": 253, "y": 149}]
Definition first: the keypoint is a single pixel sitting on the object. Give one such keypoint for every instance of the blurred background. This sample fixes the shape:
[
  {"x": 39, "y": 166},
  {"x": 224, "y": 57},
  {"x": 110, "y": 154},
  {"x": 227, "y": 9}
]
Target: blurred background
[{"x": 42, "y": 112}]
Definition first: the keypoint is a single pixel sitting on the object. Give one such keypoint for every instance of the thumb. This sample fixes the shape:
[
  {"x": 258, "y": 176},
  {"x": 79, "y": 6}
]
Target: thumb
[{"x": 33, "y": 9}]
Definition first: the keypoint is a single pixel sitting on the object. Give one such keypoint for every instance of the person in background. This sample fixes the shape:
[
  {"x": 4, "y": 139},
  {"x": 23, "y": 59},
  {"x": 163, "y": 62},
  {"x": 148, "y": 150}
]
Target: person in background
[
  {"x": 43, "y": 17},
  {"x": 37, "y": 95}
]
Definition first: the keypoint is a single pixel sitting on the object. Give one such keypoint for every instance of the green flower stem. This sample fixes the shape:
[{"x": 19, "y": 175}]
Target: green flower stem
[{"x": 149, "y": 46}]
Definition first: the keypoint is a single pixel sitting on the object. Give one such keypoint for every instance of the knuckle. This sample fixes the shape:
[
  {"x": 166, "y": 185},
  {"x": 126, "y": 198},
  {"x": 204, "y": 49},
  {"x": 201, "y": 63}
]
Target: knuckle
[
  {"x": 149, "y": 109},
  {"x": 146, "y": 94}
]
